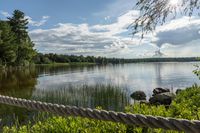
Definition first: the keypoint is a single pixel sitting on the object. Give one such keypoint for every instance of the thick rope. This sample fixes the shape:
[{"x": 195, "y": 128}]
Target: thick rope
[{"x": 129, "y": 119}]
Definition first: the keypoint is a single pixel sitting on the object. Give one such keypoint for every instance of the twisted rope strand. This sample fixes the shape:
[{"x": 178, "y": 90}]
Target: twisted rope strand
[{"x": 125, "y": 118}]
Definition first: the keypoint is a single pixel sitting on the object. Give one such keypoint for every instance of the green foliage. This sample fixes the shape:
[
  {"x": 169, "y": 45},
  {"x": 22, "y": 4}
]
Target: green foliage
[
  {"x": 69, "y": 125},
  {"x": 197, "y": 71},
  {"x": 25, "y": 51},
  {"x": 186, "y": 105},
  {"x": 19, "y": 23},
  {"x": 16, "y": 45},
  {"x": 7, "y": 44}
]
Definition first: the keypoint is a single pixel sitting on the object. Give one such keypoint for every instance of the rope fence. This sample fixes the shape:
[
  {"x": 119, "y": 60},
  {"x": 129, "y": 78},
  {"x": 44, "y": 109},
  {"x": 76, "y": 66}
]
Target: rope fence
[{"x": 125, "y": 118}]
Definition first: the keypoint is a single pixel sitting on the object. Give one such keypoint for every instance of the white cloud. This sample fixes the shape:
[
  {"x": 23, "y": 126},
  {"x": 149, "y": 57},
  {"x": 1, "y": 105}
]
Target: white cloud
[
  {"x": 190, "y": 49},
  {"x": 41, "y": 22},
  {"x": 98, "y": 40},
  {"x": 178, "y": 32},
  {"x": 120, "y": 26},
  {"x": 5, "y": 14},
  {"x": 45, "y": 17},
  {"x": 175, "y": 38}
]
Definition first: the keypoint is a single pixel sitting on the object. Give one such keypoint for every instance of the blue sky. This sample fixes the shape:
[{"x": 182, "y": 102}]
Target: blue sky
[
  {"x": 68, "y": 11},
  {"x": 99, "y": 28}
]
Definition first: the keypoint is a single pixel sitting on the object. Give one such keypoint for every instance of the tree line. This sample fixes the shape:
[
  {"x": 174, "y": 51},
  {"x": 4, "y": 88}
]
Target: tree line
[{"x": 55, "y": 58}]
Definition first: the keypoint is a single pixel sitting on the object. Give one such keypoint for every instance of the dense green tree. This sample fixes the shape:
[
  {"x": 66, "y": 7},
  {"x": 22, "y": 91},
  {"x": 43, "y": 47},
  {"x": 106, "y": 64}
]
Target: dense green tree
[
  {"x": 18, "y": 24},
  {"x": 7, "y": 44},
  {"x": 25, "y": 52},
  {"x": 24, "y": 45}
]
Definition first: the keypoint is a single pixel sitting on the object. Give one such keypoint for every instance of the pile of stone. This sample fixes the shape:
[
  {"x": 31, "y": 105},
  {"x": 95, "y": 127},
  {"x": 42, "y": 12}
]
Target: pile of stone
[{"x": 161, "y": 96}]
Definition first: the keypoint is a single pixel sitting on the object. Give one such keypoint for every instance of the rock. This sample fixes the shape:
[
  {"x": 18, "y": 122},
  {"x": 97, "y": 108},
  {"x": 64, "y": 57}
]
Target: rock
[
  {"x": 178, "y": 91},
  {"x": 160, "y": 90},
  {"x": 162, "y": 99},
  {"x": 138, "y": 95}
]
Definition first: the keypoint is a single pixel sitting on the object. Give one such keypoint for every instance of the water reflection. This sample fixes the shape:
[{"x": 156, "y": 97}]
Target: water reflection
[
  {"x": 141, "y": 76},
  {"x": 17, "y": 83}
]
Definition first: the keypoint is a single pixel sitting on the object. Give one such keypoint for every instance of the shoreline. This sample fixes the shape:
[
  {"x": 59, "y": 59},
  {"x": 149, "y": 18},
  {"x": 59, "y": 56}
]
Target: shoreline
[{"x": 66, "y": 64}]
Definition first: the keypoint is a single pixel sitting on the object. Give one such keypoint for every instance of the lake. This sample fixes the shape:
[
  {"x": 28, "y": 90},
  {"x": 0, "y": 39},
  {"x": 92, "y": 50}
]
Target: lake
[{"x": 107, "y": 86}]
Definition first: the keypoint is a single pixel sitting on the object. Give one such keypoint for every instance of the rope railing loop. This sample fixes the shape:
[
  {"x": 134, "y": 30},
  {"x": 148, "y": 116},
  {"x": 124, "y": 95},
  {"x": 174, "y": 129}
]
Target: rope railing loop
[{"x": 192, "y": 126}]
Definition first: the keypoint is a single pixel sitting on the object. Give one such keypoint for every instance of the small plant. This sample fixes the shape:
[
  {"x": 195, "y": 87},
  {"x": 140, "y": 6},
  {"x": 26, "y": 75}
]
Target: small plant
[{"x": 197, "y": 71}]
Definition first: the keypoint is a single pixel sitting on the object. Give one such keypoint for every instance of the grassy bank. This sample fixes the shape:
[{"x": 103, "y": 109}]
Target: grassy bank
[
  {"x": 186, "y": 105},
  {"x": 48, "y": 65}
]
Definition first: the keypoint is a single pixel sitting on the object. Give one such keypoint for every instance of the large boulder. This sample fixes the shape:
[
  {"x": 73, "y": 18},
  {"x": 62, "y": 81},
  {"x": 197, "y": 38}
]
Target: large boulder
[
  {"x": 162, "y": 99},
  {"x": 160, "y": 90},
  {"x": 138, "y": 95}
]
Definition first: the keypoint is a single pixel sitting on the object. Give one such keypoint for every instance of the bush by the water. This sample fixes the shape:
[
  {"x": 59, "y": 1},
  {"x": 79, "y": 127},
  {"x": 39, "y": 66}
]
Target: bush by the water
[{"x": 186, "y": 105}]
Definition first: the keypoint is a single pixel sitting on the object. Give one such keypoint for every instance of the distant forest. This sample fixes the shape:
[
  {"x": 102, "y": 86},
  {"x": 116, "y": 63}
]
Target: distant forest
[
  {"x": 55, "y": 58},
  {"x": 17, "y": 49}
]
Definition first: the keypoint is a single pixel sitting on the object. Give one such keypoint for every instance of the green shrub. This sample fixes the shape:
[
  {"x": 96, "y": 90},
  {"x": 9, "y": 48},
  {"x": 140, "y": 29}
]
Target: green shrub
[
  {"x": 187, "y": 104},
  {"x": 68, "y": 125}
]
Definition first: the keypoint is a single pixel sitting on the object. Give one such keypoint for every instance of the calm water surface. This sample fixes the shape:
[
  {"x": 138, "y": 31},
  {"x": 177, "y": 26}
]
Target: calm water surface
[{"x": 107, "y": 86}]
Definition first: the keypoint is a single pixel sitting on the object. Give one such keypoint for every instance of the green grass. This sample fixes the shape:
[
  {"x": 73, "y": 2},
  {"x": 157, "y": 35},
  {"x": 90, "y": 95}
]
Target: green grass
[{"x": 186, "y": 105}]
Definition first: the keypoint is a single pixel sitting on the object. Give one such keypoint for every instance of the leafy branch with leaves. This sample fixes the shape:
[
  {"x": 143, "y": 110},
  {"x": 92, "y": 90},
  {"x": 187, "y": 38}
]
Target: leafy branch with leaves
[{"x": 157, "y": 12}]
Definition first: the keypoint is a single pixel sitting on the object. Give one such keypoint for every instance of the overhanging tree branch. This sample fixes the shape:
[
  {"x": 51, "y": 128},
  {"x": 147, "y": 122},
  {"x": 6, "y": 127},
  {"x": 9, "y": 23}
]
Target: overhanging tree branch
[{"x": 157, "y": 12}]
